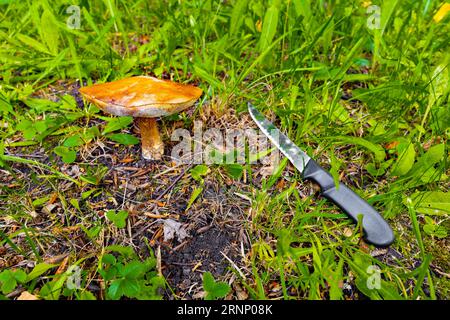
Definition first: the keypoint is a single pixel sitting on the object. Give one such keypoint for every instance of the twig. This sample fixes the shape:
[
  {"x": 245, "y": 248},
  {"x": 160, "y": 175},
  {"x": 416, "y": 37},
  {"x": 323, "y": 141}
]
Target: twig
[
  {"x": 234, "y": 265},
  {"x": 172, "y": 184}
]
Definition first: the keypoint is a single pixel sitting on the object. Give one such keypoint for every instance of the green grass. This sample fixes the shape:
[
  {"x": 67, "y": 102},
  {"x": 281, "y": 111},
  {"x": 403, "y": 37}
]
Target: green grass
[{"x": 294, "y": 60}]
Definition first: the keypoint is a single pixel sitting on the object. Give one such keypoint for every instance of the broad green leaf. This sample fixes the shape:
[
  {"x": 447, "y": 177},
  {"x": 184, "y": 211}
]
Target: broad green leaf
[
  {"x": 386, "y": 13},
  {"x": 88, "y": 193},
  {"x": 8, "y": 281},
  {"x": 39, "y": 270},
  {"x": 377, "y": 150},
  {"x": 440, "y": 84},
  {"x": 197, "y": 191},
  {"x": 20, "y": 276},
  {"x": 427, "y": 161},
  {"x": 237, "y": 16},
  {"x": 405, "y": 160},
  {"x": 430, "y": 202},
  {"x": 49, "y": 31},
  {"x": 124, "y": 138},
  {"x": 125, "y": 251},
  {"x": 368, "y": 279},
  {"x": 93, "y": 231},
  {"x": 40, "y": 126},
  {"x": 340, "y": 114},
  {"x": 131, "y": 287},
  {"x": 73, "y": 141},
  {"x": 116, "y": 124},
  {"x": 303, "y": 8},
  {"x": 115, "y": 290},
  {"x": 118, "y": 218},
  {"x": 435, "y": 230},
  {"x": 36, "y": 45},
  {"x": 67, "y": 155},
  {"x": 198, "y": 172},
  {"x": 133, "y": 270},
  {"x": 86, "y": 295},
  {"x": 214, "y": 289},
  {"x": 234, "y": 170},
  {"x": 41, "y": 105},
  {"x": 40, "y": 201},
  {"x": 269, "y": 27},
  {"x": 108, "y": 259}
]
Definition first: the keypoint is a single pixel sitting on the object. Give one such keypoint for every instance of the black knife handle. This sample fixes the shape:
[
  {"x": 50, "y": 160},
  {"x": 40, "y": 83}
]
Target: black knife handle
[{"x": 376, "y": 229}]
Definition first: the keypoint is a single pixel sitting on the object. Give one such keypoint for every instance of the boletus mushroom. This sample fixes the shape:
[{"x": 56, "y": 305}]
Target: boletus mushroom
[{"x": 145, "y": 99}]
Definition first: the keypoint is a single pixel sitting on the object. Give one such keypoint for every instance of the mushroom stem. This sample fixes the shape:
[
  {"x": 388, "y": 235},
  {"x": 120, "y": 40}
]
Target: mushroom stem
[{"x": 152, "y": 146}]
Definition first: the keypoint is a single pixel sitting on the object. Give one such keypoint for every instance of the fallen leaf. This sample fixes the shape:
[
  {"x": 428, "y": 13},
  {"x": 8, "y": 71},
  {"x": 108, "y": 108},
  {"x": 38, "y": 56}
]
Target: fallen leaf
[
  {"x": 240, "y": 293},
  {"x": 63, "y": 266},
  {"x": 49, "y": 208},
  {"x": 173, "y": 228},
  {"x": 348, "y": 232},
  {"x": 392, "y": 145},
  {"x": 27, "y": 296},
  {"x": 56, "y": 259}
]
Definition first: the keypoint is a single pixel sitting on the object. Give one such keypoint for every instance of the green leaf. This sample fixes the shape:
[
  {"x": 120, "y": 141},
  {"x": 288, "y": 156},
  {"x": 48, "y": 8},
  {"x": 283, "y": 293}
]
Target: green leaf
[
  {"x": 8, "y": 281},
  {"x": 269, "y": 27},
  {"x": 86, "y": 295},
  {"x": 93, "y": 231},
  {"x": 40, "y": 201},
  {"x": 405, "y": 160},
  {"x": 41, "y": 105},
  {"x": 197, "y": 191},
  {"x": 20, "y": 276},
  {"x": 386, "y": 13},
  {"x": 115, "y": 290},
  {"x": 429, "y": 159},
  {"x": 363, "y": 267},
  {"x": 109, "y": 259},
  {"x": 198, "y": 172},
  {"x": 339, "y": 113},
  {"x": 73, "y": 141},
  {"x": 116, "y": 124},
  {"x": 67, "y": 155},
  {"x": 435, "y": 230},
  {"x": 125, "y": 251},
  {"x": 430, "y": 202},
  {"x": 134, "y": 270},
  {"x": 124, "y": 138},
  {"x": 49, "y": 31},
  {"x": 131, "y": 287},
  {"x": 40, "y": 126},
  {"x": 377, "y": 150},
  {"x": 39, "y": 270},
  {"x": 440, "y": 84},
  {"x": 36, "y": 45},
  {"x": 276, "y": 174},
  {"x": 237, "y": 16},
  {"x": 119, "y": 218},
  {"x": 234, "y": 170},
  {"x": 214, "y": 289}
]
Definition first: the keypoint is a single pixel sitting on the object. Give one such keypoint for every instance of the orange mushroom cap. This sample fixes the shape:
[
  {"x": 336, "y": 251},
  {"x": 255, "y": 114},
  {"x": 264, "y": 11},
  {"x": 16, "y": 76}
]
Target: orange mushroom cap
[{"x": 142, "y": 96}]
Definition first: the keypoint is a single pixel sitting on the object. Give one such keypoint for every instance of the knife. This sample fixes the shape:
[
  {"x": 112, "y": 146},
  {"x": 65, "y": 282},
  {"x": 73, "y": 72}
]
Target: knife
[{"x": 376, "y": 229}]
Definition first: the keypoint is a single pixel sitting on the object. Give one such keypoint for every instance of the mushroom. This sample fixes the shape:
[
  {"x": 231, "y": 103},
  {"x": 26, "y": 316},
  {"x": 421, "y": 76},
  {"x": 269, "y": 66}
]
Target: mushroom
[{"x": 145, "y": 99}]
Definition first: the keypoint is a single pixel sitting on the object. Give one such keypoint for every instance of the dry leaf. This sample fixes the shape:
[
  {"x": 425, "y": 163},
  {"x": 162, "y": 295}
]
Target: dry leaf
[
  {"x": 173, "y": 228},
  {"x": 27, "y": 296},
  {"x": 347, "y": 232}
]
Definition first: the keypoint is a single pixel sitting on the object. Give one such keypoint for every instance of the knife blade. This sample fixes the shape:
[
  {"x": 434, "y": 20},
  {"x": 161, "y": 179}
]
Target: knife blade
[{"x": 376, "y": 230}]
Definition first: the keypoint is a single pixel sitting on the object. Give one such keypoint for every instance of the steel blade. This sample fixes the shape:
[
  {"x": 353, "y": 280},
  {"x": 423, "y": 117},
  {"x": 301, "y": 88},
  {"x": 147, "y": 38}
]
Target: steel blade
[{"x": 296, "y": 155}]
